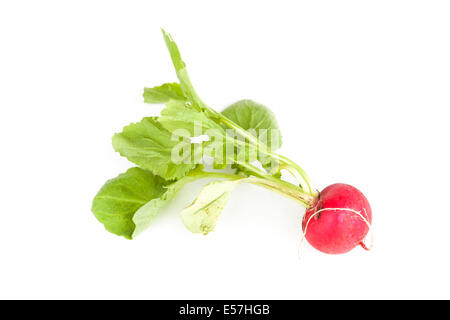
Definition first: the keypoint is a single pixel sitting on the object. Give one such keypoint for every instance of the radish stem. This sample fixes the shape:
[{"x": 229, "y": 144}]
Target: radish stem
[
  {"x": 290, "y": 165},
  {"x": 279, "y": 186}
]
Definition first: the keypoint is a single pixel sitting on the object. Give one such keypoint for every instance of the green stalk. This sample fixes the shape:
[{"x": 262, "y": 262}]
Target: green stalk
[
  {"x": 207, "y": 174},
  {"x": 292, "y": 192},
  {"x": 287, "y": 164},
  {"x": 290, "y": 165},
  {"x": 281, "y": 187}
]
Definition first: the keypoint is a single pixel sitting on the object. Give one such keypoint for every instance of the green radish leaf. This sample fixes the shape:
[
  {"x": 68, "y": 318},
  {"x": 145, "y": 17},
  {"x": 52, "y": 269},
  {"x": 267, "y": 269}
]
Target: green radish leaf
[
  {"x": 120, "y": 198},
  {"x": 164, "y": 93},
  {"x": 129, "y": 203},
  {"x": 153, "y": 148},
  {"x": 182, "y": 74},
  {"x": 147, "y": 213},
  {"x": 257, "y": 119},
  {"x": 184, "y": 121},
  {"x": 201, "y": 216},
  {"x": 181, "y": 120}
]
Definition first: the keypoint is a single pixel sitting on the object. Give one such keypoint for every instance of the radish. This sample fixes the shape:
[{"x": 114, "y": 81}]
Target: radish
[
  {"x": 243, "y": 140},
  {"x": 339, "y": 220}
]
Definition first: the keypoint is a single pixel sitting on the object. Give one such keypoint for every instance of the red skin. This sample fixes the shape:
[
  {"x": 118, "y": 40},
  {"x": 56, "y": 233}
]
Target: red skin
[{"x": 336, "y": 232}]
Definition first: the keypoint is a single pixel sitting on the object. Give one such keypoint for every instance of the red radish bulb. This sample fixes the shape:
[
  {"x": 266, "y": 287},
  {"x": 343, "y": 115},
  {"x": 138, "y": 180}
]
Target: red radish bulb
[{"x": 330, "y": 228}]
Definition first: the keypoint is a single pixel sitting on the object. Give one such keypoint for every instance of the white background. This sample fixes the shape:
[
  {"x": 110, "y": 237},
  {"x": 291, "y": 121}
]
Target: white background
[{"x": 361, "y": 92}]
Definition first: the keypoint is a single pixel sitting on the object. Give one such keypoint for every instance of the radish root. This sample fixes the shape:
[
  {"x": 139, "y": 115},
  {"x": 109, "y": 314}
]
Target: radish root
[{"x": 363, "y": 244}]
